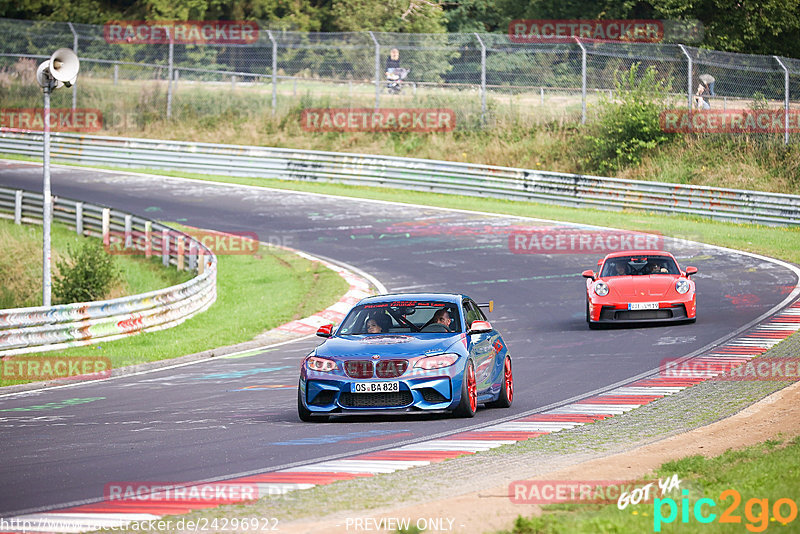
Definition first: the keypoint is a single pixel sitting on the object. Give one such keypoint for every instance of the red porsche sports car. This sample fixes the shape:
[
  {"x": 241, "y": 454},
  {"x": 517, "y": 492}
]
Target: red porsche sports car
[{"x": 639, "y": 286}]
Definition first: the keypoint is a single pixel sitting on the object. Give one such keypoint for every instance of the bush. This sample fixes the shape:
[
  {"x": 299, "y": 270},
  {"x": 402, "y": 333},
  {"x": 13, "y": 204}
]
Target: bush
[
  {"x": 629, "y": 125},
  {"x": 86, "y": 275}
]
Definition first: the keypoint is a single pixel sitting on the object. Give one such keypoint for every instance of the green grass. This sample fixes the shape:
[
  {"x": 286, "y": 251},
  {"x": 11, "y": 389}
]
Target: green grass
[
  {"x": 769, "y": 471},
  {"x": 254, "y": 293}
]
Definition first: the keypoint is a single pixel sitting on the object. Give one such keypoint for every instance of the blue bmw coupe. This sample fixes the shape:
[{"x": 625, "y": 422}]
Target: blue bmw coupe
[{"x": 407, "y": 352}]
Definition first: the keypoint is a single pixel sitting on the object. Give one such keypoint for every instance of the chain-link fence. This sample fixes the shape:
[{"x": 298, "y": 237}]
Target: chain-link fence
[{"x": 482, "y": 77}]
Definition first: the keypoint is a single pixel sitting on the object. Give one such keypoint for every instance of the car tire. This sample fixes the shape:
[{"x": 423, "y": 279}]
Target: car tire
[
  {"x": 469, "y": 393},
  {"x": 506, "y": 396},
  {"x": 588, "y": 317},
  {"x": 304, "y": 413}
]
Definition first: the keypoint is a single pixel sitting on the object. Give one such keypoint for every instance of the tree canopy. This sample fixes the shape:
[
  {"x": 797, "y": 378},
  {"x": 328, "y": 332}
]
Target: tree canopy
[{"x": 749, "y": 26}]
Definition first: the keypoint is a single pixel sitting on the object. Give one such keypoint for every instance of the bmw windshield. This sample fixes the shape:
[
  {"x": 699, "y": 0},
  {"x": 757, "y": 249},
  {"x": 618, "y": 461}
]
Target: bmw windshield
[{"x": 433, "y": 317}]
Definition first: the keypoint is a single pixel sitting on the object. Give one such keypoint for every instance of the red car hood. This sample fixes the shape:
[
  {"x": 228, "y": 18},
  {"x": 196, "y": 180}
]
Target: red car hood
[{"x": 631, "y": 288}]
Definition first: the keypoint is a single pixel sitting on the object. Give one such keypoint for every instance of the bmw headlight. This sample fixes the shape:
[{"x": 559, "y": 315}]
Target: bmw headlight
[
  {"x": 437, "y": 361},
  {"x": 322, "y": 365},
  {"x": 601, "y": 288},
  {"x": 682, "y": 286}
]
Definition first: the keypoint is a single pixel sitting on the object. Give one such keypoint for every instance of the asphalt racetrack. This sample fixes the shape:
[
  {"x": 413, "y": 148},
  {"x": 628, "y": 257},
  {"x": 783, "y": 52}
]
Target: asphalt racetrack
[{"x": 238, "y": 415}]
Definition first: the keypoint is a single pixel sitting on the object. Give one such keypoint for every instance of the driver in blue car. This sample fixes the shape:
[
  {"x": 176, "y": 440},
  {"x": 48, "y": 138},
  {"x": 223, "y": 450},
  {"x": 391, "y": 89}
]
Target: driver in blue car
[{"x": 442, "y": 316}]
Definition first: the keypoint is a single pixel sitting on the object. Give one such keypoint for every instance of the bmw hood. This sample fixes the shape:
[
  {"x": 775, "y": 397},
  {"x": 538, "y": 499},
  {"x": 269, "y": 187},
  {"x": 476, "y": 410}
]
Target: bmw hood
[{"x": 388, "y": 345}]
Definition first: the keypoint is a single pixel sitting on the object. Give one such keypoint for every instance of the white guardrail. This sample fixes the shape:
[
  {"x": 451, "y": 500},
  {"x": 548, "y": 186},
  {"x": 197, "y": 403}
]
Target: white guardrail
[
  {"x": 26, "y": 330},
  {"x": 414, "y": 174}
]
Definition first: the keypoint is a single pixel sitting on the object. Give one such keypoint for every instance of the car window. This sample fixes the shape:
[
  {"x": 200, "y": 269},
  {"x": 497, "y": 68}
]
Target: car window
[
  {"x": 472, "y": 312},
  {"x": 639, "y": 265},
  {"x": 402, "y": 317}
]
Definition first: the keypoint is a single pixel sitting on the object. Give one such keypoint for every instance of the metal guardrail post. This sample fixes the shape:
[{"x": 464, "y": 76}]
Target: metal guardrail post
[
  {"x": 688, "y": 77},
  {"x": 79, "y": 218},
  {"x": 583, "y": 80},
  {"x": 274, "y": 71},
  {"x": 74, "y": 49},
  {"x": 377, "y": 71},
  {"x": 105, "y": 224},
  {"x": 128, "y": 231},
  {"x": 165, "y": 247},
  {"x": 785, "y": 100},
  {"x": 483, "y": 78},
  {"x": 148, "y": 239},
  {"x": 18, "y": 206}
]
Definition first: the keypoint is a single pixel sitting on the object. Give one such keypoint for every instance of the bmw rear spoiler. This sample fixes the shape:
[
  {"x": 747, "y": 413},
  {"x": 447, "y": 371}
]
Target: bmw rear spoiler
[{"x": 489, "y": 305}]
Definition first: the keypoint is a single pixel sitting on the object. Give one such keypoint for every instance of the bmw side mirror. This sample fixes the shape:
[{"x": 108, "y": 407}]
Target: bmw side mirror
[
  {"x": 325, "y": 330},
  {"x": 480, "y": 327}
]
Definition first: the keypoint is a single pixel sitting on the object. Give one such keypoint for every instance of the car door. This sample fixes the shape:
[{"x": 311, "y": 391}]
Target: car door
[{"x": 480, "y": 347}]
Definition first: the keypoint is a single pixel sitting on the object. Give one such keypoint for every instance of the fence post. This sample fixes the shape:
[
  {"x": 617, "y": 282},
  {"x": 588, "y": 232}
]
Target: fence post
[
  {"x": 583, "y": 80},
  {"x": 181, "y": 248},
  {"x": 165, "y": 247},
  {"x": 148, "y": 239},
  {"x": 169, "y": 73},
  {"x": 688, "y": 77},
  {"x": 104, "y": 228},
  {"x": 785, "y": 100},
  {"x": 377, "y": 71},
  {"x": 274, "y": 71},
  {"x": 79, "y": 218},
  {"x": 128, "y": 231},
  {"x": 116, "y": 73},
  {"x": 18, "y": 206},
  {"x": 74, "y": 49},
  {"x": 483, "y": 79}
]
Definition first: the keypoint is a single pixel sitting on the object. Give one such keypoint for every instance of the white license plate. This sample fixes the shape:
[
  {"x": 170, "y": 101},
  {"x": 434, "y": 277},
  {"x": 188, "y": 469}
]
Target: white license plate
[
  {"x": 375, "y": 387},
  {"x": 643, "y": 306}
]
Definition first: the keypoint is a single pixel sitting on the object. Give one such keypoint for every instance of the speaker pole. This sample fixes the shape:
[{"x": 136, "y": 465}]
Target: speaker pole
[{"x": 47, "y": 203}]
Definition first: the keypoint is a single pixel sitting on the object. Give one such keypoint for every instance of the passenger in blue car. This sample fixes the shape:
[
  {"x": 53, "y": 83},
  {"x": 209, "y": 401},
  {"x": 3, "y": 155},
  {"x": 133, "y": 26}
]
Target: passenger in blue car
[{"x": 378, "y": 323}]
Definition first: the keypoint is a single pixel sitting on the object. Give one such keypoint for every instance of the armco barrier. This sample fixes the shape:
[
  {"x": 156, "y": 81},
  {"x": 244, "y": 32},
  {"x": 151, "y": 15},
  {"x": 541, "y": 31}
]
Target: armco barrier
[
  {"x": 415, "y": 174},
  {"x": 26, "y": 330}
]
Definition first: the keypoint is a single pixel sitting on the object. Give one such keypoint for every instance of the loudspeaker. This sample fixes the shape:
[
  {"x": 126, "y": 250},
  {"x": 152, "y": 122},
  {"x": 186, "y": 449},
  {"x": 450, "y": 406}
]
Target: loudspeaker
[{"x": 62, "y": 67}]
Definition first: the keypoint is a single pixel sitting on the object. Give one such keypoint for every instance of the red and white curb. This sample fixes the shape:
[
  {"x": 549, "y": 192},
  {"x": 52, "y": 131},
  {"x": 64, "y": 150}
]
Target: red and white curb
[
  {"x": 749, "y": 345},
  {"x": 360, "y": 287}
]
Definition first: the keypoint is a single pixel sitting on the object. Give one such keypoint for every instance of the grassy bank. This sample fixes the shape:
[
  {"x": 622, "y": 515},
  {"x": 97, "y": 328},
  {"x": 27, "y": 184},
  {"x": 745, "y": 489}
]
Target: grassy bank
[
  {"x": 764, "y": 473},
  {"x": 268, "y": 289},
  {"x": 21, "y": 266}
]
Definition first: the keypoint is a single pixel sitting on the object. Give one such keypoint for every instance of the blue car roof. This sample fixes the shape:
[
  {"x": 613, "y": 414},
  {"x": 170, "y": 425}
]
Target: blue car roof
[{"x": 455, "y": 298}]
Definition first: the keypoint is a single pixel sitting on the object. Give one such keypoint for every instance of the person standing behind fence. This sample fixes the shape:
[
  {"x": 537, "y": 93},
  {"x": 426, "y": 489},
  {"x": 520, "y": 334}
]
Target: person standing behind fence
[
  {"x": 393, "y": 61},
  {"x": 704, "y": 90}
]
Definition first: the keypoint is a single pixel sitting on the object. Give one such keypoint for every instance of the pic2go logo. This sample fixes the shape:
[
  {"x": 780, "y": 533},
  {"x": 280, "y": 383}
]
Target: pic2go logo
[{"x": 756, "y": 511}]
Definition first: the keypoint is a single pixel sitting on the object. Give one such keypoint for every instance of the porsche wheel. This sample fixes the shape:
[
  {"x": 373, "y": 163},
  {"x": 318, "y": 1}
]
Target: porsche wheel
[
  {"x": 469, "y": 393},
  {"x": 506, "y": 390}
]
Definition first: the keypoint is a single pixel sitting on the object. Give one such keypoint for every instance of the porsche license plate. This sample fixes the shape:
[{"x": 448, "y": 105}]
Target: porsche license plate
[
  {"x": 643, "y": 306},
  {"x": 376, "y": 387}
]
